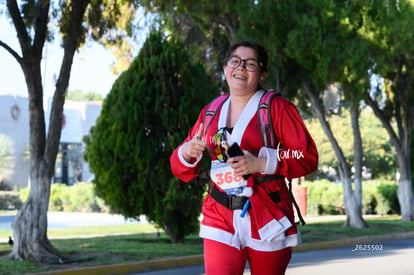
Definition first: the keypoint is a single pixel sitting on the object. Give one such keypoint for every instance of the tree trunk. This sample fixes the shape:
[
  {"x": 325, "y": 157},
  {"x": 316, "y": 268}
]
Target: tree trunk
[
  {"x": 30, "y": 227},
  {"x": 30, "y": 223},
  {"x": 402, "y": 144},
  {"x": 405, "y": 189},
  {"x": 405, "y": 184},
  {"x": 356, "y": 195},
  {"x": 352, "y": 208},
  {"x": 230, "y": 23}
]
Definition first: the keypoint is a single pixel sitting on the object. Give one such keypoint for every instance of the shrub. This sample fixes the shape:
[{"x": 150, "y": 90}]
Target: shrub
[
  {"x": 380, "y": 197},
  {"x": 76, "y": 198},
  {"x": 9, "y": 200},
  {"x": 130, "y": 146},
  {"x": 326, "y": 198}
]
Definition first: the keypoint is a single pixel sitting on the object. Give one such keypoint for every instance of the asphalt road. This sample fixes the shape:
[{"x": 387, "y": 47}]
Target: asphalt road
[{"x": 382, "y": 258}]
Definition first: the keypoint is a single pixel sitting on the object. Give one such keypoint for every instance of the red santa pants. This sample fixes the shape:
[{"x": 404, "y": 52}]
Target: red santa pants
[{"x": 222, "y": 259}]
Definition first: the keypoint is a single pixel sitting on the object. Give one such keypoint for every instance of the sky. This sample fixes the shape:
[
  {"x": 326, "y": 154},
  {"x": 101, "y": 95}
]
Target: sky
[{"x": 90, "y": 70}]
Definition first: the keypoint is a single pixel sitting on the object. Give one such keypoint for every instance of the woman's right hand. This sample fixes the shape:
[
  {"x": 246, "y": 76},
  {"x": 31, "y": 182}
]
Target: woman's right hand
[{"x": 195, "y": 147}]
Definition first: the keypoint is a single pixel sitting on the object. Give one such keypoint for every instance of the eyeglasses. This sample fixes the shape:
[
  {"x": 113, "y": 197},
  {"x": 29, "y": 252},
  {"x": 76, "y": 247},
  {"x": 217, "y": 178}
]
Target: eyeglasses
[
  {"x": 249, "y": 64},
  {"x": 221, "y": 145}
]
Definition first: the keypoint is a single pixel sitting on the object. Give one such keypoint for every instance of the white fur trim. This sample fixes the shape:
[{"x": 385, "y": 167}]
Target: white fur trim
[
  {"x": 274, "y": 229},
  {"x": 218, "y": 235},
  {"x": 186, "y": 163},
  {"x": 272, "y": 159},
  {"x": 244, "y": 119},
  {"x": 276, "y": 244},
  {"x": 243, "y": 238},
  {"x": 248, "y": 191}
]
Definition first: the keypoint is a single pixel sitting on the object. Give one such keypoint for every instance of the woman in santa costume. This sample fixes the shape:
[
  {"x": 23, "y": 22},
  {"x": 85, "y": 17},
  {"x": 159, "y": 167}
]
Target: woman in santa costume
[{"x": 248, "y": 213}]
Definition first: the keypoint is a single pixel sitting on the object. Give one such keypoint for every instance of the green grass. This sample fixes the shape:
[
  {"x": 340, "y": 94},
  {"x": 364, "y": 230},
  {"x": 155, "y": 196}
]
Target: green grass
[
  {"x": 333, "y": 230},
  {"x": 106, "y": 245},
  {"x": 92, "y": 231},
  {"x": 106, "y": 230}
]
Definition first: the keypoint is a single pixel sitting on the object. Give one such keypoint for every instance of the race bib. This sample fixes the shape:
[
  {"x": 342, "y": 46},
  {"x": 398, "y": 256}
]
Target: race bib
[{"x": 223, "y": 175}]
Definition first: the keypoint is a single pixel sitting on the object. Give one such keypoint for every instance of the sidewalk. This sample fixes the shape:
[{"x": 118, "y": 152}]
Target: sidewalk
[{"x": 176, "y": 262}]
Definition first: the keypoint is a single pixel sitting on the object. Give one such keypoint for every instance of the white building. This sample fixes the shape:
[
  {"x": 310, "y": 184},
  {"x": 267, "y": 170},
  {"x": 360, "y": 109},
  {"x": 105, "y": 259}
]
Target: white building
[{"x": 79, "y": 117}]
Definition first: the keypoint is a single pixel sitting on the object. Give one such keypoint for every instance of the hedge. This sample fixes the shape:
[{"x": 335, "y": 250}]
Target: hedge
[
  {"x": 9, "y": 200},
  {"x": 76, "y": 198},
  {"x": 326, "y": 198},
  {"x": 323, "y": 198}
]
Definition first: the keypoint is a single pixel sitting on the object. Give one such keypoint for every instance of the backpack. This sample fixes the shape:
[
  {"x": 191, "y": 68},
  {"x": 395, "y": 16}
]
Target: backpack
[{"x": 267, "y": 132}]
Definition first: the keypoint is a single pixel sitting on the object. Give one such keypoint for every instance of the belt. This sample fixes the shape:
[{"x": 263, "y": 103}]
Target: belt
[
  {"x": 268, "y": 178},
  {"x": 230, "y": 202},
  {"x": 237, "y": 202}
]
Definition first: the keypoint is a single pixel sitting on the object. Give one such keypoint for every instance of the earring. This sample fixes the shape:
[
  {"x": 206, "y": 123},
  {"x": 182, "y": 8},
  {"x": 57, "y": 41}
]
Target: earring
[{"x": 262, "y": 78}]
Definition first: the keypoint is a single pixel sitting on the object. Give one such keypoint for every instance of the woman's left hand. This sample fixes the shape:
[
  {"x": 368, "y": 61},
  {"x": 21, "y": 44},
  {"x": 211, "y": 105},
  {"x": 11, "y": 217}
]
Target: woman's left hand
[{"x": 247, "y": 164}]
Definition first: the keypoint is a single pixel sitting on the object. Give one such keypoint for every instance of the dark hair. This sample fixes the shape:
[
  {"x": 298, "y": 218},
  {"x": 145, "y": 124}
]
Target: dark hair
[{"x": 259, "y": 49}]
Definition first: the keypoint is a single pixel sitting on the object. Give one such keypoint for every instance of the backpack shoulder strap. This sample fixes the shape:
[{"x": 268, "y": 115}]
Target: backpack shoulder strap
[
  {"x": 211, "y": 110},
  {"x": 267, "y": 132},
  {"x": 268, "y": 136}
]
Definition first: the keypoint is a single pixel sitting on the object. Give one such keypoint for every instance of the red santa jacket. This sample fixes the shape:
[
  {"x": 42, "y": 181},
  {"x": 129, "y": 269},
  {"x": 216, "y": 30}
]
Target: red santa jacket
[{"x": 295, "y": 157}]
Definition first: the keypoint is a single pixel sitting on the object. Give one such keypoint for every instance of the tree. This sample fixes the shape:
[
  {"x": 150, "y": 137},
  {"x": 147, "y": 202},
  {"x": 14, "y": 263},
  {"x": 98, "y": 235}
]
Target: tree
[
  {"x": 281, "y": 27},
  {"x": 379, "y": 153},
  {"x": 342, "y": 37},
  {"x": 379, "y": 156},
  {"x": 206, "y": 27},
  {"x": 309, "y": 66},
  {"x": 33, "y": 21},
  {"x": 354, "y": 81},
  {"x": 145, "y": 116},
  {"x": 337, "y": 46},
  {"x": 392, "y": 28},
  {"x": 207, "y": 15}
]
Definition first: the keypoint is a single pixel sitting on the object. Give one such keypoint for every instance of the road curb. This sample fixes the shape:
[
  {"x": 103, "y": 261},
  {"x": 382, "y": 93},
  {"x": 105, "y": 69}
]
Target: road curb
[
  {"x": 132, "y": 267},
  {"x": 176, "y": 262}
]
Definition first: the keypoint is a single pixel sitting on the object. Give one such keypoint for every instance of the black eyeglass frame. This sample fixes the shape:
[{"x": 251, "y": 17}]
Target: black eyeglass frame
[{"x": 244, "y": 62}]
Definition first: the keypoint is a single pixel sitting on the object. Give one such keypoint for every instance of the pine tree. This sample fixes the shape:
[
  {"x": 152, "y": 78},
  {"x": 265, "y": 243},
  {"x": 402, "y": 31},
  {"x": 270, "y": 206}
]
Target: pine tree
[{"x": 146, "y": 115}]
